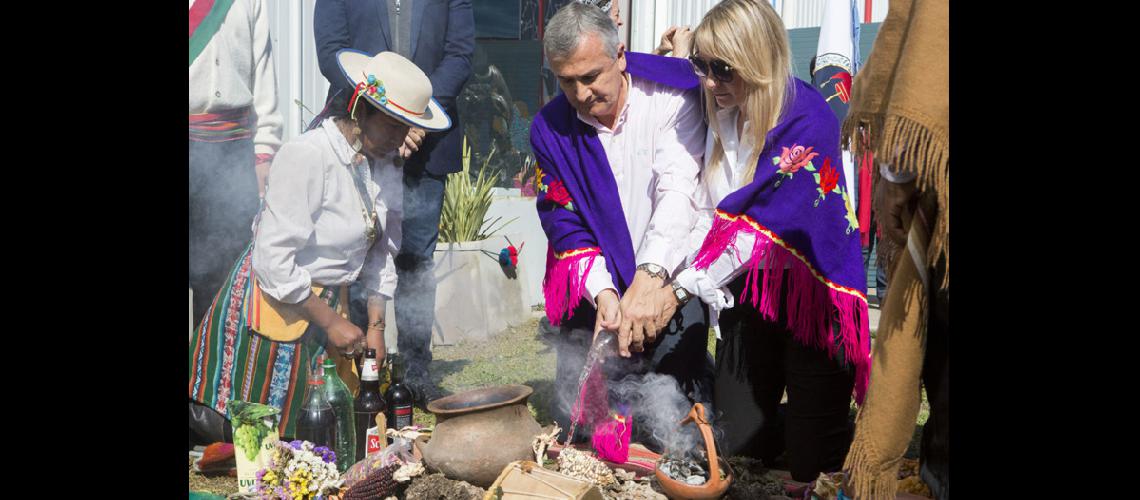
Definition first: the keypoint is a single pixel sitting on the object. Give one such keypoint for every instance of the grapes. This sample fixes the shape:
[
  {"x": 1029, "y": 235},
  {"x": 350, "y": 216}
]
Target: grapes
[{"x": 248, "y": 439}]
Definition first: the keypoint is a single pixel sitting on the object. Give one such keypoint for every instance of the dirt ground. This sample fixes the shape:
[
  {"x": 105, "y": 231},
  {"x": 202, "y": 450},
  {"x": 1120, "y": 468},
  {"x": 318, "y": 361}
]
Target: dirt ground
[{"x": 516, "y": 356}]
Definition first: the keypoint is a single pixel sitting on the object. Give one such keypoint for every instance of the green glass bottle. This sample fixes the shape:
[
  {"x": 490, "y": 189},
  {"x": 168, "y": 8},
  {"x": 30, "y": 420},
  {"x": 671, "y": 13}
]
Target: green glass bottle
[{"x": 340, "y": 398}]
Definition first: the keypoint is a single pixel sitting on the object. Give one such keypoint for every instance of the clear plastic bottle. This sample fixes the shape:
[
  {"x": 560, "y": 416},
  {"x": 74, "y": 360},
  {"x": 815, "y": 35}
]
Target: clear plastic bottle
[{"x": 340, "y": 398}]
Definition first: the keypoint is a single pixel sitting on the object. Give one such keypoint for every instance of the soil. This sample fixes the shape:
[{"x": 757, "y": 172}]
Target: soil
[
  {"x": 217, "y": 484},
  {"x": 754, "y": 481},
  {"x": 438, "y": 487}
]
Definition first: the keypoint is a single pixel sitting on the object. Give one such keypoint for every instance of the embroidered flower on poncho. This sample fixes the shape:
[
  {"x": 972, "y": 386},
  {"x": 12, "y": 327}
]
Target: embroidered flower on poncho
[
  {"x": 555, "y": 191},
  {"x": 791, "y": 160},
  {"x": 827, "y": 178}
]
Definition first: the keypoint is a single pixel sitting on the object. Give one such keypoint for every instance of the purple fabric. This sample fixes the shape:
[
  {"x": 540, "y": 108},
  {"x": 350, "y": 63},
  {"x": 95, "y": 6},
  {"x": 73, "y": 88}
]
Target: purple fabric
[
  {"x": 825, "y": 234},
  {"x": 567, "y": 151},
  {"x": 802, "y": 220}
]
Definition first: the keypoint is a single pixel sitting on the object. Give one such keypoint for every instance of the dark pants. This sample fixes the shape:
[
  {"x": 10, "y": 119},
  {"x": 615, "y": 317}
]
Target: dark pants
[
  {"x": 755, "y": 361},
  {"x": 415, "y": 286},
  {"x": 223, "y": 202},
  {"x": 934, "y": 454},
  {"x": 681, "y": 352}
]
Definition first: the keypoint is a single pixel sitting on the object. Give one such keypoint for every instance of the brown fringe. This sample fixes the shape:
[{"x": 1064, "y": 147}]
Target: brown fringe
[{"x": 868, "y": 477}]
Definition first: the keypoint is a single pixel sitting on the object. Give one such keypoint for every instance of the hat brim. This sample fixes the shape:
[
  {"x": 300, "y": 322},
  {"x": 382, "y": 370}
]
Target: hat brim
[{"x": 353, "y": 63}]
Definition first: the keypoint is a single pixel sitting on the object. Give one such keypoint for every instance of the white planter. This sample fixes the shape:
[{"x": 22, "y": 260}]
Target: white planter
[{"x": 474, "y": 298}]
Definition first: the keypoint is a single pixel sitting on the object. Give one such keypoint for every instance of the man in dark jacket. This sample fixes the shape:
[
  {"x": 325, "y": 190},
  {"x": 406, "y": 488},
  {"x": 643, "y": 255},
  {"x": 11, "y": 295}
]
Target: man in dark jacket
[{"x": 439, "y": 37}]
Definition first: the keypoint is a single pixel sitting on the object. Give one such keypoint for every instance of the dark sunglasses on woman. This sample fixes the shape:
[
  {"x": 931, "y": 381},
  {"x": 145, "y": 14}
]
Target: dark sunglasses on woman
[{"x": 720, "y": 70}]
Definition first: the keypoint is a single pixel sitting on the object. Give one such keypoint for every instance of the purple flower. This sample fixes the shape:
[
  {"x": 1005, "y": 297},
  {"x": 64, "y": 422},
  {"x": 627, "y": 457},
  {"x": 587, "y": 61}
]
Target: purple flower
[
  {"x": 326, "y": 454},
  {"x": 296, "y": 444}
]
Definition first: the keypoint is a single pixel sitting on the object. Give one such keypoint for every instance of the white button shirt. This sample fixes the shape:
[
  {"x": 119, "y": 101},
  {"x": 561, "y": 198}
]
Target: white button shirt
[
  {"x": 312, "y": 231},
  {"x": 710, "y": 284},
  {"x": 655, "y": 151}
]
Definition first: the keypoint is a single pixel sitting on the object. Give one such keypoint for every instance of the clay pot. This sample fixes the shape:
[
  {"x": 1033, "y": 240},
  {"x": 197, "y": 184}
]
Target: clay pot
[
  {"x": 715, "y": 487},
  {"x": 478, "y": 433}
]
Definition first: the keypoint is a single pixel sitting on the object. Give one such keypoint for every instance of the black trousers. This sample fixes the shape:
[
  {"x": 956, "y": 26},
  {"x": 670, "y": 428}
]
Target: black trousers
[
  {"x": 681, "y": 352},
  {"x": 934, "y": 455},
  {"x": 223, "y": 202},
  {"x": 755, "y": 361}
]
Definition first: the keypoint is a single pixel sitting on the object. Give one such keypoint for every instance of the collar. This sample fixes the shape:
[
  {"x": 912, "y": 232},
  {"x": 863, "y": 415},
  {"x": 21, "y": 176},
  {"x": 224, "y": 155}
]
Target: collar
[{"x": 344, "y": 152}]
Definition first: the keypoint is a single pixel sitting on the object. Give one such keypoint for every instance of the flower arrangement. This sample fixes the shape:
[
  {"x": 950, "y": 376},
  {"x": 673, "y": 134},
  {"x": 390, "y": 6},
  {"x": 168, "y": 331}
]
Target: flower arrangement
[{"x": 299, "y": 471}]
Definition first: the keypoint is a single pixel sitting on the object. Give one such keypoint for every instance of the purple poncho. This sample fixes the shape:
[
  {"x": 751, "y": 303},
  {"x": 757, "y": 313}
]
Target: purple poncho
[
  {"x": 577, "y": 200},
  {"x": 802, "y": 218}
]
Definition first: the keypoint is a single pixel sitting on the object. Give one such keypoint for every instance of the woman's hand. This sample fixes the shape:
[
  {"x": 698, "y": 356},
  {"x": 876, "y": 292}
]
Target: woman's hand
[
  {"x": 412, "y": 142},
  {"x": 375, "y": 334},
  {"x": 344, "y": 336}
]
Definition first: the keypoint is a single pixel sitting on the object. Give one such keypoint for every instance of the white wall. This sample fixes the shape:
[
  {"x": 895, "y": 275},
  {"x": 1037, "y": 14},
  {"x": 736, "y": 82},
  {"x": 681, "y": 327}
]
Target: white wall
[
  {"x": 648, "y": 19},
  {"x": 295, "y": 58}
]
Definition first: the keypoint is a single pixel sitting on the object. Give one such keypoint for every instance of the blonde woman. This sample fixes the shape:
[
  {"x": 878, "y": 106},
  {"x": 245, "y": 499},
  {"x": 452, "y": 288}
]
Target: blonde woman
[{"x": 779, "y": 233}]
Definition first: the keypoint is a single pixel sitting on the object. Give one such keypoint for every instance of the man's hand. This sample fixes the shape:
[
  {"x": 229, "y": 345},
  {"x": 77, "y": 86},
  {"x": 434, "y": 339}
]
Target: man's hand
[
  {"x": 609, "y": 312},
  {"x": 893, "y": 203},
  {"x": 683, "y": 42},
  {"x": 639, "y": 313},
  {"x": 666, "y": 45},
  {"x": 262, "y": 170},
  {"x": 412, "y": 142}
]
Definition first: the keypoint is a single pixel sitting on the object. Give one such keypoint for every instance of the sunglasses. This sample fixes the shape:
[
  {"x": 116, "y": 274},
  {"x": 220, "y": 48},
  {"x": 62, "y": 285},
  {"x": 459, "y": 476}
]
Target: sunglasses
[{"x": 719, "y": 69}]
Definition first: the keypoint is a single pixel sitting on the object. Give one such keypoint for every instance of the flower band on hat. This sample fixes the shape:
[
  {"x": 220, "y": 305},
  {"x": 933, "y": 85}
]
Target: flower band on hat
[{"x": 374, "y": 88}]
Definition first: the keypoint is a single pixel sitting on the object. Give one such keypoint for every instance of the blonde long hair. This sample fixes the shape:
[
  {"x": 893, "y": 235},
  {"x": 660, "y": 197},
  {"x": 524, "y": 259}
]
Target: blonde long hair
[{"x": 750, "y": 37}]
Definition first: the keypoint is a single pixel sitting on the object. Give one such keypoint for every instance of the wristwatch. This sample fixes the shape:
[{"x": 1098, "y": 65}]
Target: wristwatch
[
  {"x": 681, "y": 293},
  {"x": 654, "y": 270}
]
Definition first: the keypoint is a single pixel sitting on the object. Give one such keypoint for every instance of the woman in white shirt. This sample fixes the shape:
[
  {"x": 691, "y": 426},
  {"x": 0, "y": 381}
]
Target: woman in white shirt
[
  {"x": 331, "y": 218},
  {"x": 778, "y": 231}
]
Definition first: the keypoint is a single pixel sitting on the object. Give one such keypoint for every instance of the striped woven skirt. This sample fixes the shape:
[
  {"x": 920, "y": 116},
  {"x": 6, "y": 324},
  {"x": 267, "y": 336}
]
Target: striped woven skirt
[{"x": 230, "y": 361}]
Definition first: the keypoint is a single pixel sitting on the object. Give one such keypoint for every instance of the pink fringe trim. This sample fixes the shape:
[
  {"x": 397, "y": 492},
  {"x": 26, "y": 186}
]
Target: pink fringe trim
[
  {"x": 813, "y": 304},
  {"x": 562, "y": 287},
  {"x": 611, "y": 440}
]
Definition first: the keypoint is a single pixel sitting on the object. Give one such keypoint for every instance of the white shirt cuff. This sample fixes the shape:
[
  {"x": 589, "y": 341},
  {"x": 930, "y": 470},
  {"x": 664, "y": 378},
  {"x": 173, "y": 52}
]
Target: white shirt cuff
[
  {"x": 598, "y": 280},
  {"x": 701, "y": 285}
]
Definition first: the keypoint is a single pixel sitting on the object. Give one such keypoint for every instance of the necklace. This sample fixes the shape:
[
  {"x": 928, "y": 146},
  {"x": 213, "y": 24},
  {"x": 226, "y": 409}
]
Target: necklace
[{"x": 371, "y": 222}]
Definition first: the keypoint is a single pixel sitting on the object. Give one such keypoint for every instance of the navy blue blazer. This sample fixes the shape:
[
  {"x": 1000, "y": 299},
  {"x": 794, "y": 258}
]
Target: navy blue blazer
[{"x": 443, "y": 41}]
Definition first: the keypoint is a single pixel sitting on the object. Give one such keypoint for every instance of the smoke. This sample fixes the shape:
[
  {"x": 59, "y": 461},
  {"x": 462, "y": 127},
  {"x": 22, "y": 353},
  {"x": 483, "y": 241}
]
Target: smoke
[
  {"x": 223, "y": 201},
  {"x": 658, "y": 407}
]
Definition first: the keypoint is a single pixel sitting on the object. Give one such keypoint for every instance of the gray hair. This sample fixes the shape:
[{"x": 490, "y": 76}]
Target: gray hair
[
  {"x": 601, "y": 4},
  {"x": 573, "y": 22}
]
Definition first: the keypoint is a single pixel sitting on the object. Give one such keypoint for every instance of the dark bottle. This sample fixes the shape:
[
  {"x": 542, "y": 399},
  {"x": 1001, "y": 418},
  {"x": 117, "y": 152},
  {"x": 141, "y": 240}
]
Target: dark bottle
[
  {"x": 368, "y": 404},
  {"x": 398, "y": 398},
  {"x": 317, "y": 423}
]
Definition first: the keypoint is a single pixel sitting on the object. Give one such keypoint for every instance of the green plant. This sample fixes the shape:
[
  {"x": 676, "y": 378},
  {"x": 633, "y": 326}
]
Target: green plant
[{"x": 466, "y": 201}]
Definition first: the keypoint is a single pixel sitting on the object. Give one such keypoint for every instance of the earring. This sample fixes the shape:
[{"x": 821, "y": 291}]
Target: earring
[{"x": 356, "y": 132}]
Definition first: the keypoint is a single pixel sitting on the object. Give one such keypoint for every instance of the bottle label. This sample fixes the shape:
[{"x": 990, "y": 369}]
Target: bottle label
[
  {"x": 403, "y": 416},
  {"x": 369, "y": 371},
  {"x": 375, "y": 441}
]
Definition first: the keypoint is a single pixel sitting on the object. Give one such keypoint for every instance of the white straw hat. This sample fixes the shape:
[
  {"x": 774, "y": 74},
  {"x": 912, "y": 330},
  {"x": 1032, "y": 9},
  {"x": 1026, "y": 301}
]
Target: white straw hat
[{"x": 393, "y": 84}]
